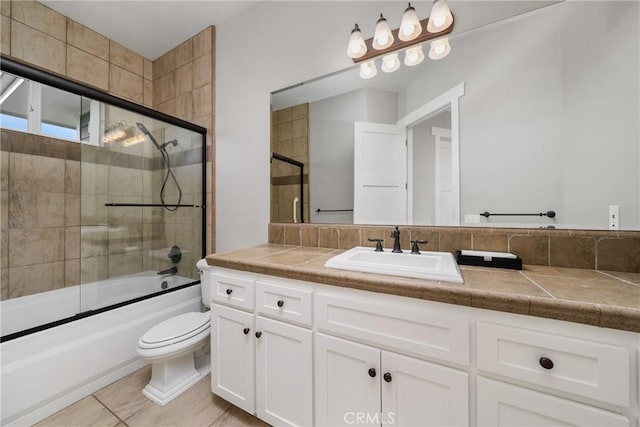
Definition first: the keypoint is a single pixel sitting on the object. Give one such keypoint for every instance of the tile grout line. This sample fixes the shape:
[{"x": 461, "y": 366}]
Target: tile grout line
[
  {"x": 619, "y": 278},
  {"x": 109, "y": 409},
  {"x": 537, "y": 285}
]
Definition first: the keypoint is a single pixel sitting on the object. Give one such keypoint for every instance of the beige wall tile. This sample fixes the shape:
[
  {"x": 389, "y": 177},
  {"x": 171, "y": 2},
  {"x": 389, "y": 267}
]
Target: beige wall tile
[
  {"x": 35, "y": 209},
  {"x": 5, "y": 7},
  {"x": 183, "y": 106},
  {"x": 125, "y": 238},
  {"x": 95, "y": 178},
  {"x": 202, "y": 70},
  {"x": 72, "y": 243},
  {"x": 37, "y": 48},
  {"x": 328, "y": 237},
  {"x": 4, "y": 169},
  {"x": 348, "y": 238},
  {"x": 202, "y": 100},
  {"x": 4, "y": 283},
  {"x": 292, "y": 235},
  {"x": 5, "y": 41},
  {"x": 300, "y": 111},
  {"x": 276, "y": 234},
  {"x": 164, "y": 88},
  {"x": 88, "y": 40},
  {"x": 165, "y": 64},
  {"x": 72, "y": 272},
  {"x": 572, "y": 251},
  {"x": 184, "y": 53},
  {"x": 299, "y": 128},
  {"x": 533, "y": 249},
  {"x": 126, "y": 84},
  {"x": 34, "y": 173},
  {"x": 309, "y": 236},
  {"x": 125, "y": 181},
  {"x": 87, "y": 68},
  {"x": 94, "y": 241},
  {"x": 93, "y": 269},
  {"x": 126, "y": 58},
  {"x": 4, "y": 248},
  {"x": 147, "y": 95},
  {"x": 71, "y": 176},
  {"x": 619, "y": 254},
  {"x": 92, "y": 210},
  {"x": 4, "y": 210},
  {"x": 126, "y": 263},
  {"x": 496, "y": 242},
  {"x": 35, "y": 278},
  {"x": 40, "y": 17},
  {"x": 36, "y": 245},
  {"x": 203, "y": 42},
  {"x": 147, "y": 69},
  {"x": 432, "y": 238},
  {"x": 184, "y": 78}
]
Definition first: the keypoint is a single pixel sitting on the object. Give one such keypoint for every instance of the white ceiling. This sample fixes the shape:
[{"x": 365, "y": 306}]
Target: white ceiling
[{"x": 149, "y": 28}]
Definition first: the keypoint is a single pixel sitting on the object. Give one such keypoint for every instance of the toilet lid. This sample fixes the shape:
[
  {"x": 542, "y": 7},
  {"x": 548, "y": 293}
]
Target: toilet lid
[{"x": 177, "y": 328}]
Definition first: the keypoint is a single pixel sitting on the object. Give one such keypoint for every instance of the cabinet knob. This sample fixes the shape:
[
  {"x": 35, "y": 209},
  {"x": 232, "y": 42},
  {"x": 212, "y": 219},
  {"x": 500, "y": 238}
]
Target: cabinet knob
[
  {"x": 246, "y": 331},
  {"x": 372, "y": 372},
  {"x": 258, "y": 334},
  {"x": 229, "y": 290},
  {"x": 546, "y": 363},
  {"x": 280, "y": 303},
  {"x": 387, "y": 377}
]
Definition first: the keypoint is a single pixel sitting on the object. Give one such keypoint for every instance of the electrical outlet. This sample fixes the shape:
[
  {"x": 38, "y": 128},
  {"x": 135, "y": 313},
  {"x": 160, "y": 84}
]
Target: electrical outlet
[
  {"x": 472, "y": 219},
  {"x": 614, "y": 217}
]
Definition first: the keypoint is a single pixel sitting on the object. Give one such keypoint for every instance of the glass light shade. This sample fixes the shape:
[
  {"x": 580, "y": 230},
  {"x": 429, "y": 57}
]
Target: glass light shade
[
  {"x": 390, "y": 62},
  {"x": 410, "y": 27},
  {"x": 357, "y": 47},
  {"x": 382, "y": 37},
  {"x": 368, "y": 70},
  {"x": 440, "y": 18},
  {"x": 413, "y": 56},
  {"x": 439, "y": 48}
]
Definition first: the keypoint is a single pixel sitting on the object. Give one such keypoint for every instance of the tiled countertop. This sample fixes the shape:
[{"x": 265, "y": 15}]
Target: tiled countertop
[{"x": 601, "y": 298}]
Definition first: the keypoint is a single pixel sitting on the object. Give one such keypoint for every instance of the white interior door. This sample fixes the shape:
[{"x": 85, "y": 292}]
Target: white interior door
[
  {"x": 445, "y": 193},
  {"x": 380, "y": 174}
]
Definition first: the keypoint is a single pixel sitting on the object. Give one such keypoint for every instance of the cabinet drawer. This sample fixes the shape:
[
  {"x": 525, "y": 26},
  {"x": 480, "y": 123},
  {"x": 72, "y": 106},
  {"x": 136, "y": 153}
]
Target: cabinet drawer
[
  {"x": 412, "y": 327},
  {"x": 500, "y": 404},
  {"x": 284, "y": 302},
  {"x": 586, "y": 368},
  {"x": 233, "y": 290}
]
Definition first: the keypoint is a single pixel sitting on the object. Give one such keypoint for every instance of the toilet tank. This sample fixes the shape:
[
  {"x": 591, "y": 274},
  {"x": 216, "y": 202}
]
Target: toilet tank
[{"x": 205, "y": 281}]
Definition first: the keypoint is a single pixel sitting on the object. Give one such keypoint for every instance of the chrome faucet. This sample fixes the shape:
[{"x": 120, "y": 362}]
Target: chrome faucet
[
  {"x": 172, "y": 270},
  {"x": 395, "y": 234}
]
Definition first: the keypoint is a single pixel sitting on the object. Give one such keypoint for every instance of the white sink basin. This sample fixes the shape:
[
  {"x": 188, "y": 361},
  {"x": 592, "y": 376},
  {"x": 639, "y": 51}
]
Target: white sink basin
[{"x": 426, "y": 265}]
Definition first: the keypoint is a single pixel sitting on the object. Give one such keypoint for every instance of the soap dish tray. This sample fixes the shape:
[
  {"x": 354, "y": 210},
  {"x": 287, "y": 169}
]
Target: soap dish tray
[{"x": 489, "y": 259}]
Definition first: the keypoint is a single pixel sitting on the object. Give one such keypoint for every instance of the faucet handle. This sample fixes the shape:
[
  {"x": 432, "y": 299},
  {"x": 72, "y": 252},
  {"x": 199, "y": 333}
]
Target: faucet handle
[
  {"x": 414, "y": 248},
  {"x": 378, "y": 244},
  {"x": 395, "y": 233}
]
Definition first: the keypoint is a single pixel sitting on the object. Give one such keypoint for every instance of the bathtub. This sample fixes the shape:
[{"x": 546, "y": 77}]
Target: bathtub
[
  {"x": 45, "y": 371},
  {"x": 33, "y": 310}
]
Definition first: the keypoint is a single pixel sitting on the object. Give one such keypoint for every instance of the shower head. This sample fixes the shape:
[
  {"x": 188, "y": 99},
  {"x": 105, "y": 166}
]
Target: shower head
[
  {"x": 144, "y": 130},
  {"x": 173, "y": 142}
]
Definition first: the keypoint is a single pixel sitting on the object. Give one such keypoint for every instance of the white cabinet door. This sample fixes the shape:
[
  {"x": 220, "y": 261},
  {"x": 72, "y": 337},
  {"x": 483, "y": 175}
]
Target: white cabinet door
[
  {"x": 284, "y": 370},
  {"x": 500, "y": 404},
  {"x": 347, "y": 382},
  {"x": 233, "y": 356},
  {"x": 419, "y": 393}
]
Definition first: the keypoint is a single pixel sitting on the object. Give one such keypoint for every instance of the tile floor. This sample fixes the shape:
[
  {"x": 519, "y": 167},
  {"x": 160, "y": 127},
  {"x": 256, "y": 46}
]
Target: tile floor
[{"x": 122, "y": 404}]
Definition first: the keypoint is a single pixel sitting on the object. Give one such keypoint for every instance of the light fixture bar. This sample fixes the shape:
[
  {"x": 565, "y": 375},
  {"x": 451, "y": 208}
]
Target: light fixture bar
[{"x": 399, "y": 44}]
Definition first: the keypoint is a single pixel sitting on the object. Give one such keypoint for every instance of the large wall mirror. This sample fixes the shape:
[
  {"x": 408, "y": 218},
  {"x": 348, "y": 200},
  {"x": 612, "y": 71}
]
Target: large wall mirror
[{"x": 534, "y": 113}]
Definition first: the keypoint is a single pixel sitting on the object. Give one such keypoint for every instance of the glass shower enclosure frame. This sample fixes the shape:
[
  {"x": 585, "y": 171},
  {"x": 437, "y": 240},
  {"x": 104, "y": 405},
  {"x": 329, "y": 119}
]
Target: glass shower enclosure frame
[{"x": 135, "y": 181}]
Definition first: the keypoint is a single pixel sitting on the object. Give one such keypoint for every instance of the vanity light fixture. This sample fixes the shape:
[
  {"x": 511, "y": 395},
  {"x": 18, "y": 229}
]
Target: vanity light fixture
[
  {"x": 382, "y": 38},
  {"x": 409, "y": 37},
  {"x": 368, "y": 69},
  {"x": 357, "y": 47},
  {"x": 439, "y": 48},
  {"x": 413, "y": 56},
  {"x": 390, "y": 62}
]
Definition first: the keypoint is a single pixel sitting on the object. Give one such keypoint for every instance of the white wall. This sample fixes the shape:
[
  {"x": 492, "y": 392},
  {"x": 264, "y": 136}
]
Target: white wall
[
  {"x": 546, "y": 111},
  {"x": 331, "y": 133},
  {"x": 270, "y": 46}
]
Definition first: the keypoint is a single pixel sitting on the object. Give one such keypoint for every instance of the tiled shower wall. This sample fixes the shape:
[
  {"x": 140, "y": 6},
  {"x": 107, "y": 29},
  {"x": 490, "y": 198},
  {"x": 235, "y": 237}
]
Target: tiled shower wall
[
  {"x": 40, "y": 213},
  {"x": 289, "y": 137},
  {"x": 602, "y": 250}
]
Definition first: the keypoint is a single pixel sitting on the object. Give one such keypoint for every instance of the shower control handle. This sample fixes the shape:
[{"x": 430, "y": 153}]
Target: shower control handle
[
  {"x": 229, "y": 290},
  {"x": 246, "y": 331}
]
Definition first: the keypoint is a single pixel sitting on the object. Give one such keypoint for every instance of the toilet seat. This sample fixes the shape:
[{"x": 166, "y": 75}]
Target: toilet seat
[{"x": 175, "y": 330}]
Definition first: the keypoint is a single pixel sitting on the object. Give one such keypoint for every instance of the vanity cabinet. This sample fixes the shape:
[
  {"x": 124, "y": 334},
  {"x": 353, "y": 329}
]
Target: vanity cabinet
[
  {"x": 361, "y": 384},
  {"x": 301, "y": 353},
  {"x": 262, "y": 365}
]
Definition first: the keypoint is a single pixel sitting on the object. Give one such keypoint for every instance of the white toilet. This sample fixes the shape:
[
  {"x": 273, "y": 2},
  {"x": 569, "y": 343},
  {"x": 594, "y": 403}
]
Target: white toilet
[{"x": 178, "y": 349}]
